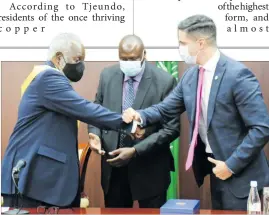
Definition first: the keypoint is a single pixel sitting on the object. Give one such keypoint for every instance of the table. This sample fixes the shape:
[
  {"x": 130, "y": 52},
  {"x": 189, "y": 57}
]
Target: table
[{"x": 126, "y": 211}]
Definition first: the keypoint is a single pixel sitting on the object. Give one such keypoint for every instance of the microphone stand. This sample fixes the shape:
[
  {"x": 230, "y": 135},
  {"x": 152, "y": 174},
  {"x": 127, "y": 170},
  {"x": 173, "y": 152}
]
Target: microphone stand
[{"x": 17, "y": 209}]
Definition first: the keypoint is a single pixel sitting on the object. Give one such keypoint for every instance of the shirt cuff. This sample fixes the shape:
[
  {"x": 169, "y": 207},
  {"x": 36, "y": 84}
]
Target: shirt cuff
[
  {"x": 229, "y": 168},
  {"x": 135, "y": 123},
  {"x": 141, "y": 121}
]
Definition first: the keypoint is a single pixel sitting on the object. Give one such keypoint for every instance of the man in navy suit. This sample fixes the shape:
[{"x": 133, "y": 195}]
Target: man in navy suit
[
  {"x": 45, "y": 135},
  {"x": 228, "y": 118}
]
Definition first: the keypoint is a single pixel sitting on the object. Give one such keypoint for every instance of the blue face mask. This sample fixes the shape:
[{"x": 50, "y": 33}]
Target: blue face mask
[{"x": 132, "y": 68}]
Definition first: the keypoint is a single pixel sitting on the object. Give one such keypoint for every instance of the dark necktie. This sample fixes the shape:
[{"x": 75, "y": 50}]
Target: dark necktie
[{"x": 128, "y": 102}]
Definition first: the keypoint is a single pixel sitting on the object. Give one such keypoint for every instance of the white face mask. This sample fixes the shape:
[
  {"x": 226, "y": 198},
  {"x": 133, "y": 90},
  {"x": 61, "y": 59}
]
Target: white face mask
[
  {"x": 185, "y": 55},
  {"x": 132, "y": 68}
]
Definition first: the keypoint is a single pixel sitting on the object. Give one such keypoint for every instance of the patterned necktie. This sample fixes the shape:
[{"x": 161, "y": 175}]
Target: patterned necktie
[
  {"x": 128, "y": 102},
  {"x": 197, "y": 117}
]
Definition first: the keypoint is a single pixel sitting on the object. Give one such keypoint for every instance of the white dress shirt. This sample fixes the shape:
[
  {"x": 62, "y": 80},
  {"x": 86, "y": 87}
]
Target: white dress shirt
[{"x": 210, "y": 68}]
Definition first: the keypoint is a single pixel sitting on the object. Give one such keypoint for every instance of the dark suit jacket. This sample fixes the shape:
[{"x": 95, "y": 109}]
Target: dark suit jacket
[
  {"x": 45, "y": 136},
  {"x": 149, "y": 172},
  {"x": 238, "y": 123}
]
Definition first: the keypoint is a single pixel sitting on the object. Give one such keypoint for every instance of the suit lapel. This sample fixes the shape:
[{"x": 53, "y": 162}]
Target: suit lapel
[
  {"x": 143, "y": 88},
  {"x": 117, "y": 91},
  {"x": 220, "y": 69},
  {"x": 116, "y": 94},
  {"x": 193, "y": 86}
]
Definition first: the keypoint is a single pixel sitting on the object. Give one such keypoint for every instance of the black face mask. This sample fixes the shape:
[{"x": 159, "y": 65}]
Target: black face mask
[{"x": 74, "y": 72}]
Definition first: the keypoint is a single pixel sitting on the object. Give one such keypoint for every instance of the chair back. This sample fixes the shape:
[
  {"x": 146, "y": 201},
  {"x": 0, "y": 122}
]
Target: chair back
[{"x": 84, "y": 153}]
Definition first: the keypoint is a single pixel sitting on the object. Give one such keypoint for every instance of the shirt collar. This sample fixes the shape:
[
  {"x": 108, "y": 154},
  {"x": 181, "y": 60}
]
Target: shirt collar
[
  {"x": 211, "y": 64},
  {"x": 136, "y": 78},
  {"x": 49, "y": 63}
]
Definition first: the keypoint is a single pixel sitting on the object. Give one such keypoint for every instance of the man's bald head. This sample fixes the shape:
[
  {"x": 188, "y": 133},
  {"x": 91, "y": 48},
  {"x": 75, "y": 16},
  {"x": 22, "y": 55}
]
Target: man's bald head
[{"x": 131, "y": 47}]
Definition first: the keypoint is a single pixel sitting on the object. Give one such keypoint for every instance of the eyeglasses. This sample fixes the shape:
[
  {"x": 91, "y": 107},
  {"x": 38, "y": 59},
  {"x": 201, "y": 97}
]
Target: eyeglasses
[{"x": 47, "y": 210}]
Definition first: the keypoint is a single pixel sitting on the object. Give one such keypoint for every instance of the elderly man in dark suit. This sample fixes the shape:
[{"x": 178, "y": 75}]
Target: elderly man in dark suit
[{"x": 135, "y": 169}]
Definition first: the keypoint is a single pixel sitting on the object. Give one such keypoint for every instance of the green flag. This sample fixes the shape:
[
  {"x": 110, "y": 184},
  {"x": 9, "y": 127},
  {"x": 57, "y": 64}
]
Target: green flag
[{"x": 172, "y": 193}]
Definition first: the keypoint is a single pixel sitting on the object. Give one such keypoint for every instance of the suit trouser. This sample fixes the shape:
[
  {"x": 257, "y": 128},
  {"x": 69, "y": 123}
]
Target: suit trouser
[
  {"x": 221, "y": 196},
  {"x": 10, "y": 201},
  {"x": 119, "y": 194},
  {"x": 26, "y": 202}
]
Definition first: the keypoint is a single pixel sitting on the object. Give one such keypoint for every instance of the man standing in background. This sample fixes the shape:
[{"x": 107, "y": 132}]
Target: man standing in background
[
  {"x": 228, "y": 118},
  {"x": 135, "y": 169}
]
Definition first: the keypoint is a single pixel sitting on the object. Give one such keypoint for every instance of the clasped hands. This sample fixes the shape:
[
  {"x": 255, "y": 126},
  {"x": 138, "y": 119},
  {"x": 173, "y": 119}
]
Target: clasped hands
[
  {"x": 122, "y": 155},
  {"x": 130, "y": 115}
]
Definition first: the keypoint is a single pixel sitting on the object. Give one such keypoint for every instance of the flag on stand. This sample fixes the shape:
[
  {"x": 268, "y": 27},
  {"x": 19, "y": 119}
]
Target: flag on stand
[{"x": 173, "y": 190}]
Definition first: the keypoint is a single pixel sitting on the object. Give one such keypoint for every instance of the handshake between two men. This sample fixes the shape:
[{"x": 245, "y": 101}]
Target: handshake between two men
[{"x": 121, "y": 156}]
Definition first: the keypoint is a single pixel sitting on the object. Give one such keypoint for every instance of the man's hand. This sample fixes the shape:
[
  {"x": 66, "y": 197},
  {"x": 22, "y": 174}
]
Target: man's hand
[
  {"x": 123, "y": 158},
  {"x": 220, "y": 170},
  {"x": 95, "y": 144},
  {"x": 129, "y": 115}
]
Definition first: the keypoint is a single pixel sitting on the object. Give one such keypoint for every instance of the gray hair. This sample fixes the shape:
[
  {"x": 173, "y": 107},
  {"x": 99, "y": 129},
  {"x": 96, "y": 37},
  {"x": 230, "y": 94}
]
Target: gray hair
[
  {"x": 200, "y": 26},
  {"x": 66, "y": 43}
]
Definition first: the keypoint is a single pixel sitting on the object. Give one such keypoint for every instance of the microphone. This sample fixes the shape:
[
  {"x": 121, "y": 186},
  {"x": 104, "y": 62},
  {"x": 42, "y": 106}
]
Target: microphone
[
  {"x": 21, "y": 164},
  {"x": 15, "y": 176}
]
